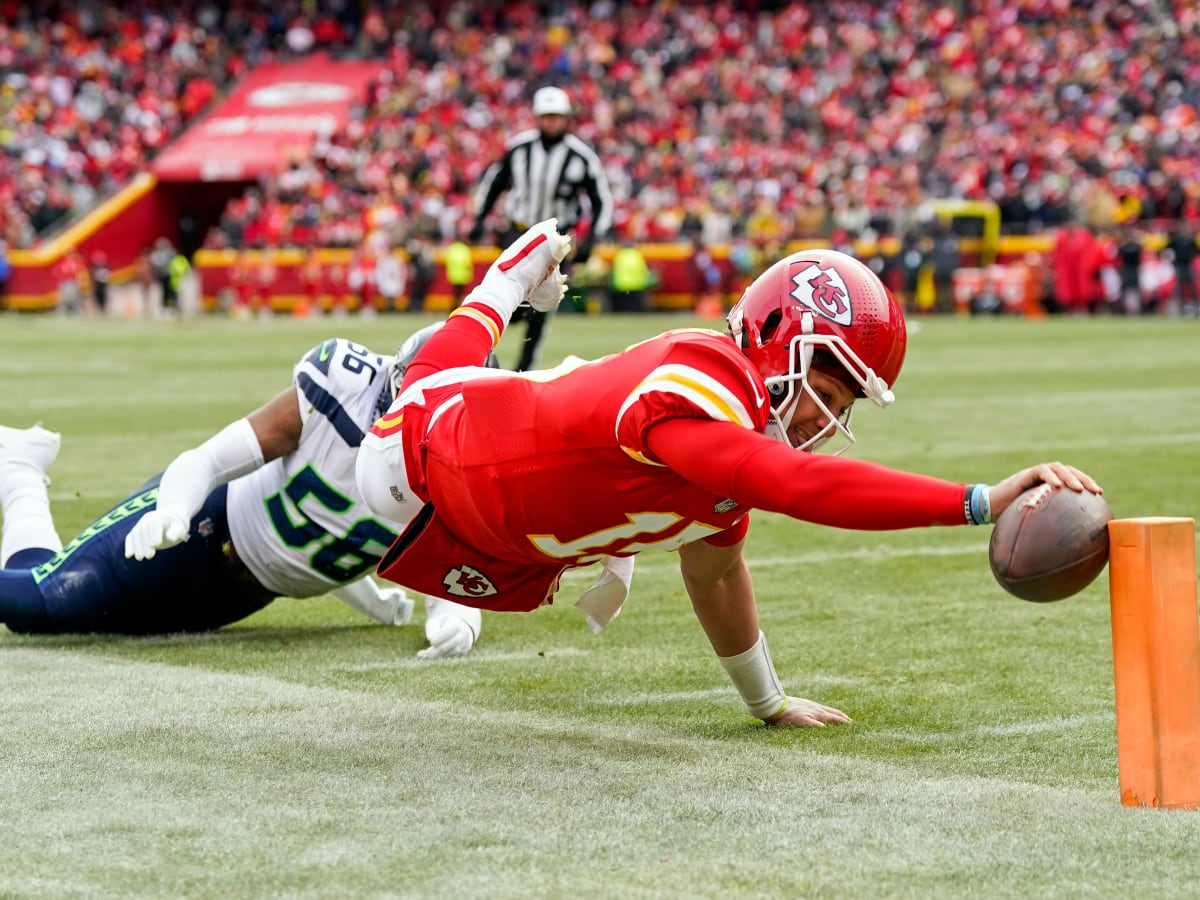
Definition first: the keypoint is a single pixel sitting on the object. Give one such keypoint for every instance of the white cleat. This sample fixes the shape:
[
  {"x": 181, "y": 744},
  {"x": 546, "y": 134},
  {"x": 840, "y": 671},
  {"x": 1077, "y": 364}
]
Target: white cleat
[
  {"x": 34, "y": 447},
  {"x": 531, "y": 262}
]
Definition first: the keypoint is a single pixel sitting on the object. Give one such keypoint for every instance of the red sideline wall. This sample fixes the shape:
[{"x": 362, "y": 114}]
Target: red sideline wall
[
  {"x": 226, "y": 274},
  {"x": 120, "y": 228},
  {"x": 126, "y": 225},
  {"x": 232, "y": 272}
]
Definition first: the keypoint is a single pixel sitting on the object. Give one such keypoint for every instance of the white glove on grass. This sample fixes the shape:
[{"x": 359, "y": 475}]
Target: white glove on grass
[
  {"x": 156, "y": 530},
  {"x": 387, "y": 604},
  {"x": 451, "y": 629}
]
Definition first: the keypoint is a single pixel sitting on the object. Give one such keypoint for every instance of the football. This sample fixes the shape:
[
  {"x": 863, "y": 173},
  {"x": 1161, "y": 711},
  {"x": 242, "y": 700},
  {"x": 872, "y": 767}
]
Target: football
[{"x": 1050, "y": 543}]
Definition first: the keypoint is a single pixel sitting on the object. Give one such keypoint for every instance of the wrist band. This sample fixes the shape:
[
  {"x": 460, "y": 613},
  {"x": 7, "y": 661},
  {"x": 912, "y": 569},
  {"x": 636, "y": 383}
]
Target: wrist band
[
  {"x": 754, "y": 676},
  {"x": 977, "y": 504}
]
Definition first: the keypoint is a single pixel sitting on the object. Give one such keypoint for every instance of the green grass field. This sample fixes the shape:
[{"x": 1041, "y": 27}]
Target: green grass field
[{"x": 306, "y": 752}]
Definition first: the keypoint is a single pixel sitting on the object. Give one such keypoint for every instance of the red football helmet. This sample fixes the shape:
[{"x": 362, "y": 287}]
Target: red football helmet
[{"x": 827, "y": 306}]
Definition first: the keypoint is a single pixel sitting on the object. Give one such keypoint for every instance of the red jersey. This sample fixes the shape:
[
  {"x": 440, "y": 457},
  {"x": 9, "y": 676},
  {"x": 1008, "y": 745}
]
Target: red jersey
[
  {"x": 652, "y": 448},
  {"x": 559, "y": 459}
]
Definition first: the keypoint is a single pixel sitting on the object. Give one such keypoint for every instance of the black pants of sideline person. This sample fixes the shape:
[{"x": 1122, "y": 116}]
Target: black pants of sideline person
[{"x": 535, "y": 328}]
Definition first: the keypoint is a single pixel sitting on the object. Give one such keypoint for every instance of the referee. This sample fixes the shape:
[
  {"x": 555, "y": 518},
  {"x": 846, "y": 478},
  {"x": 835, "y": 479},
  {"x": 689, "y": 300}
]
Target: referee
[{"x": 545, "y": 173}]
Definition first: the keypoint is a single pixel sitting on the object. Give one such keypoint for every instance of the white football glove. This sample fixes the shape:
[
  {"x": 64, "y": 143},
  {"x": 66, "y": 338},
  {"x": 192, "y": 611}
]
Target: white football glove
[
  {"x": 156, "y": 530},
  {"x": 396, "y": 600},
  {"x": 547, "y": 295},
  {"x": 451, "y": 629},
  {"x": 389, "y": 605},
  {"x": 531, "y": 262}
]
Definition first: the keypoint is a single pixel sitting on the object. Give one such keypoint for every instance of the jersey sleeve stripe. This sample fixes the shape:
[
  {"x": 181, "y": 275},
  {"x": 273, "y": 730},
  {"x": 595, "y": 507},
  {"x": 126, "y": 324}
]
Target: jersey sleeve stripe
[
  {"x": 641, "y": 457},
  {"x": 703, "y": 390},
  {"x": 484, "y": 317},
  {"x": 388, "y": 425},
  {"x": 324, "y": 403}
]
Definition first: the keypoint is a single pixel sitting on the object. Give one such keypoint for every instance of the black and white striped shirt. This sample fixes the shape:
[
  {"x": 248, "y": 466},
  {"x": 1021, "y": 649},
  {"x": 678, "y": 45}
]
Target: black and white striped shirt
[{"x": 542, "y": 182}]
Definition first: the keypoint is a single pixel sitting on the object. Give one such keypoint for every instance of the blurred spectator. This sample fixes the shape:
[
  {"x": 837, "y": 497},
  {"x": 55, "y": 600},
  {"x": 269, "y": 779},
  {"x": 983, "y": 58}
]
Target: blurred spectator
[
  {"x": 912, "y": 258},
  {"x": 1129, "y": 268},
  {"x": 420, "y": 272},
  {"x": 1109, "y": 277},
  {"x": 241, "y": 279},
  {"x": 5, "y": 269},
  {"x": 924, "y": 295},
  {"x": 631, "y": 279},
  {"x": 1181, "y": 247},
  {"x": 161, "y": 258},
  {"x": 177, "y": 272},
  {"x": 337, "y": 278},
  {"x": 691, "y": 226},
  {"x": 1072, "y": 261},
  {"x": 144, "y": 280},
  {"x": 391, "y": 277},
  {"x": 460, "y": 271},
  {"x": 69, "y": 275},
  {"x": 706, "y": 278},
  {"x": 944, "y": 258},
  {"x": 312, "y": 281},
  {"x": 1092, "y": 261},
  {"x": 360, "y": 279},
  {"x": 745, "y": 264},
  {"x": 100, "y": 276}
]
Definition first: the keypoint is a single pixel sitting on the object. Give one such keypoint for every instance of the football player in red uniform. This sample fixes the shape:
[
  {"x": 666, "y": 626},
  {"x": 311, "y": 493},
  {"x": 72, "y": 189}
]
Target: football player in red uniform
[{"x": 509, "y": 479}]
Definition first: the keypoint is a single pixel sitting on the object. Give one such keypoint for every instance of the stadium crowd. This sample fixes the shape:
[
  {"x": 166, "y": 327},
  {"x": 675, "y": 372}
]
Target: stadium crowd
[
  {"x": 776, "y": 122},
  {"x": 91, "y": 91}
]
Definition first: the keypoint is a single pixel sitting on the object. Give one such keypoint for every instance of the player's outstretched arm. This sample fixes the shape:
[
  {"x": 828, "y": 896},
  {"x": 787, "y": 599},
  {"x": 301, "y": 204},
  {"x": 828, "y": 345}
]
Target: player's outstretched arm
[
  {"x": 722, "y": 594},
  {"x": 237, "y": 449}
]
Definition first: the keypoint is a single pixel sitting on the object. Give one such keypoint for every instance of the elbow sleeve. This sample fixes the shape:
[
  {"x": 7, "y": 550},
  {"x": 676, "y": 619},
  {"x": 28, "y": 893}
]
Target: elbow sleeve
[{"x": 230, "y": 453}]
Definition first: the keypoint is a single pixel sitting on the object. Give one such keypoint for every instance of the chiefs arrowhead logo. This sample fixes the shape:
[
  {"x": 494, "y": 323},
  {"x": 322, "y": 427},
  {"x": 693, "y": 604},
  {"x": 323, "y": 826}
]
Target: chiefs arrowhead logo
[
  {"x": 824, "y": 292},
  {"x": 468, "y": 582}
]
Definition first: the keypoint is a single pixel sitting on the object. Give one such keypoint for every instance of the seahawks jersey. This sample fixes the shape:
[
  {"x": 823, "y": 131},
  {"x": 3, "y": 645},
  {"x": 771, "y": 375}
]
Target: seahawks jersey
[{"x": 298, "y": 523}]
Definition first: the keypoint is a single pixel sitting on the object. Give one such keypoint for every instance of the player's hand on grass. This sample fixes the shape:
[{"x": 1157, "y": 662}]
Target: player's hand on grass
[
  {"x": 451, "y": 629},
  {"x": 398, "y": 602},
  {"x": 156, "y": 530},
  {"x": 1055, "y": 474},
  {"x": 801, "y": 713}
]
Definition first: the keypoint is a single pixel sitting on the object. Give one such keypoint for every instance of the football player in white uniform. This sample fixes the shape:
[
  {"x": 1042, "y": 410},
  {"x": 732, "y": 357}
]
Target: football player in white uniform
[{"x": 265, "y": 508}]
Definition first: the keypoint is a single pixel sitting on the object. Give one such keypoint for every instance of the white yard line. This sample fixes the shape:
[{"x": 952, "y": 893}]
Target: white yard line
[{"x": 1008, "y": 729}]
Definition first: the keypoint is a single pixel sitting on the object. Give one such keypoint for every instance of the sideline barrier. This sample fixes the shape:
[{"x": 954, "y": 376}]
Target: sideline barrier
[{"x": 1011, "y": 288}]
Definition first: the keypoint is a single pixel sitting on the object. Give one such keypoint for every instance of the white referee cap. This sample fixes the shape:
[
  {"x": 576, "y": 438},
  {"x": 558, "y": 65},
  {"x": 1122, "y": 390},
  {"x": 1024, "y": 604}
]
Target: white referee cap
[{"x": 551, "y": 101}]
